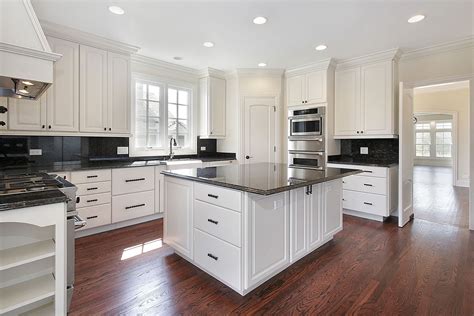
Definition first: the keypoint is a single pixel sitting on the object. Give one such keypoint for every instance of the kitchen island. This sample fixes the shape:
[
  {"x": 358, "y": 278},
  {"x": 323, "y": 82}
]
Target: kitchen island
[{"x": 243, "y": 224}]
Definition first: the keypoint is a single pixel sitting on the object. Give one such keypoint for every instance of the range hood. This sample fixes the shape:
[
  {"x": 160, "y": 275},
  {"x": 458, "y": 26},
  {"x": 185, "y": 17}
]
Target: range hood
[{"x": 26, "y": 60}]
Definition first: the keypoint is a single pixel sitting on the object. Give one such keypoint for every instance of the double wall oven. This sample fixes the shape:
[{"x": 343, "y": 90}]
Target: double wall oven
[{"x": 306, "y": 140}]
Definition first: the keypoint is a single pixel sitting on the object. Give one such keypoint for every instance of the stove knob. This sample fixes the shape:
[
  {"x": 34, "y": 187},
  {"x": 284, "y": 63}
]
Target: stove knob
[
  {"x": 3, "y": 109},
  {"x": 2, "y": 123}
]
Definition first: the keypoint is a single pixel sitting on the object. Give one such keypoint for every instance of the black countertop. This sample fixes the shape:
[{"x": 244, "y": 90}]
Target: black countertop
[
  {"x": 21, "y": 200},
  {"x": 260, "y": 178},
  {"x": 369, "y": 161}
]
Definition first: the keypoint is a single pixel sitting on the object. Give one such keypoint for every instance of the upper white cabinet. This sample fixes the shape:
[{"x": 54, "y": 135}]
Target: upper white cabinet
[
  {"x": 310, "y": 88},
  {"x": 27, "y": 115},
  {"x": 366, "y": 99},
  {"x": 118, "y": 106},
  {"x": 212, "y": 105}
]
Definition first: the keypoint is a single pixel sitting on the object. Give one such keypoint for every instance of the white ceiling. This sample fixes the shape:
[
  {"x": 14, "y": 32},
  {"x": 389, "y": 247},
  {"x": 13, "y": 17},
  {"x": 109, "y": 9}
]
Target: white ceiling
[{"x": 165, "y": 29}]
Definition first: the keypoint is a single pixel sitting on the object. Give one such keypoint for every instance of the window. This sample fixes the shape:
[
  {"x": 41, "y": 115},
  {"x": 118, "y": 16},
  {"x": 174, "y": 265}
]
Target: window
[
  {"x": 162, "y": 111},
  {"x": 436, "y": 133}
]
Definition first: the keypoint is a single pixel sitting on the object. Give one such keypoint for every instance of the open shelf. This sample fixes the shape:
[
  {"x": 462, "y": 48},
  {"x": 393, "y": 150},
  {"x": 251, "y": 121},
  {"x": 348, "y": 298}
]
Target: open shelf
[
  {"x": 22, "y": 294},
  {"x": 16, "y": 256},
  {"x": 43, "y": 310}
]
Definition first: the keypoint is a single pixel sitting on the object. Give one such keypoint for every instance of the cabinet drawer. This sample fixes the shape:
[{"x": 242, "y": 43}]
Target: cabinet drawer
[
  {"x": 96, "y": 215},
  {"x": 219, "y": 196},
  {"x": 133, "y": 205},
  {"x": 365, "y": 202},
  {"x": 131, "y": 180},
  {"x": 366, "y": 184},
  {"x": 93, "y": 199},
  {"x": 219, "y": 258},
  {"x": 217, "y": 221},
  {"x": 93, "y": 188},
  {"x": 90, "y": 176},
  {"x": 380, "y": 172}
]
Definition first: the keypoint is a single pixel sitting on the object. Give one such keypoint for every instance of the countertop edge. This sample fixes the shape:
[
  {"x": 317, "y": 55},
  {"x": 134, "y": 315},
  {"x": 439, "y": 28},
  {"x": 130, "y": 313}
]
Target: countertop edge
[
  {"x": 33, "y": 203},
  {"x": 368, "y": 164}
]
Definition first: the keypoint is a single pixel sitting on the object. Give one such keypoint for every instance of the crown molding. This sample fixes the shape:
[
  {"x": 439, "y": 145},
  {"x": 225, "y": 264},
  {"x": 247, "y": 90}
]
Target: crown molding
[
  {"x": 36, "y": 25},
  {"x": 392, "y": 54},
  {"x": 439, "y": 48},
  {"x": 71, "y": 34},
  {"x": 20, "y": 50},
  {"x": 256, "y": 72},
  {"x": 149, "y": 61},
  {"x": 320, "y": 65},
  {"x": 212, "y": 72}
]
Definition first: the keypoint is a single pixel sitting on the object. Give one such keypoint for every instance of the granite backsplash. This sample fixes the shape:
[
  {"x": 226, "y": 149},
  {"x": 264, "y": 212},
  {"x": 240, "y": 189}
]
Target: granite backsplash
[{"x": 378, "y": 149}]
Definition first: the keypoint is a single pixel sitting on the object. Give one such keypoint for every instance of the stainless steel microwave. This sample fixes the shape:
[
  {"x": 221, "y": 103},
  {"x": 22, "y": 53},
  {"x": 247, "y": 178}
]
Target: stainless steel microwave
[{"x": 306, "y": 122}]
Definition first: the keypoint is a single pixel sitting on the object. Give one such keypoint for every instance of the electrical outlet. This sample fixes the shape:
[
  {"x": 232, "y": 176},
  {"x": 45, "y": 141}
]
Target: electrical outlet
[
  {"x": 364, "y": 150},
  {"x": 36, "y": 152},
  {"x": 203, "y": 148},
  {"x": 122, "y": 150}
]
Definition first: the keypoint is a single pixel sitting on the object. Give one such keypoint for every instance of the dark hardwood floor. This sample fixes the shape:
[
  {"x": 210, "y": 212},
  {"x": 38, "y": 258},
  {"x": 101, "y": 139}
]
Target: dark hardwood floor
[
  {"x": 436, "y": 199},
  {"x": 370, "y": 268}
]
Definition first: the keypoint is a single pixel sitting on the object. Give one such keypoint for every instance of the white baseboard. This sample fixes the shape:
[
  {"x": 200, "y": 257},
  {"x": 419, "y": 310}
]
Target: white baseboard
[
  {"x": 101, "y": 229},
  {"x": 373, "y": 217}
]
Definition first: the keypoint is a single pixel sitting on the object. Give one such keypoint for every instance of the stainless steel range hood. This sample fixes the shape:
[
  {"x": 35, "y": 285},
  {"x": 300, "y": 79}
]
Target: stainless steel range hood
[{"x": 26, "y": 60}]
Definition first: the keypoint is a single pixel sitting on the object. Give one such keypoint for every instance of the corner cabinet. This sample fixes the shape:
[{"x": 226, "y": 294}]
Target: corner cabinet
[
  {"x": 212, "y": 96},
  {"x": 308, "y": 88},
  {"x": 366, "y": 100}
]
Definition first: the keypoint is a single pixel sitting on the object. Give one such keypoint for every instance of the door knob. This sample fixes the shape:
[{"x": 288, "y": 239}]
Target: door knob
[{"x": 247, "y": 157}]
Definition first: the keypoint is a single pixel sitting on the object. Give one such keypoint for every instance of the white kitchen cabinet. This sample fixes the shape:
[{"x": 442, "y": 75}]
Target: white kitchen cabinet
[
  {"x": 268, "y": 244},
  {"x": 212, "y": 95},
  {"x": 118, "y": 93},
  {"x": 130, "y": 180},
  {"x": 347, "y": 109},
  {"x": 299, "y": 208},
  {"x": 27, "y": 115},
  {"x": 178, "y": 220},
  {"x": 63, "y": 96},
  {"x": 159, "y": 189},
  {"x": 310, "y": 88},
  {"x": 133, "y": 205},
  {"x": 315, "y": 217},
  {"x": 93, "y": 89},
  {"x": 332, "y": 208}
]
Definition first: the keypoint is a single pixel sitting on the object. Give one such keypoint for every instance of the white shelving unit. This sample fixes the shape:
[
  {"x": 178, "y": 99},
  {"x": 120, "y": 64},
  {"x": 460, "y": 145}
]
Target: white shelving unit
[{"x": 13, "y": 257}]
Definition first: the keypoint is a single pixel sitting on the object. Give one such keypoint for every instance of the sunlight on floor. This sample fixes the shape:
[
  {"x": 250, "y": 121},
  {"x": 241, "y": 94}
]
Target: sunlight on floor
[{"x": 136, "y": 250}]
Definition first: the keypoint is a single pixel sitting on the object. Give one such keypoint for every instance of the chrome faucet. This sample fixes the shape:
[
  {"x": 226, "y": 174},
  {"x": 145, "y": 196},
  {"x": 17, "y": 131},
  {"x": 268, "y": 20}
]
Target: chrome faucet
[{"x": 172, "y": 143}]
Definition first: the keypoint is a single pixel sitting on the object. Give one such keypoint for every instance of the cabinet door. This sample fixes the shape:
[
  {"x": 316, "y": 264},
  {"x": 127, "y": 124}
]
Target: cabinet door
[
  {"x": 299, "y": 206},
  {"x": 295, "y": 87},
  {"x": 27, "y": 115},
  {"x": 332, "y": 208},
  {"x": 217, "y": 107},
  {"x": 118, "y": 93},
  {"x": 316, "y": 87},
  {"x": 268, "y": 230},
  {"x": 63, "y": 95},
  {"x": 376, "y": 99},
  {"x": 347, "y": 114},
  {"x": 315, "y": 236},
  {"x": 93, "y": 89},
  {"x": 178, "y": 215}
]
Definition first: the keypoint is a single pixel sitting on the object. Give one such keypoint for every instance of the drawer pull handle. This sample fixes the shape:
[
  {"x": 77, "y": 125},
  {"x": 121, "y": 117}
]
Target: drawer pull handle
[
  {"x": 368, "y": 185},
  {"x": 213, "y": 196},
  {"x": 367, "y": 203},
  {"x": 93, "y": 200},
  {"x": 134, "y": 180},
  {"x": 367, "y": 171},
  {"x": 91, "y": 217},
  {"x": 212, "y": 221},
  {"x": 94, "y": 188},
  {"x": 210, "y": 255},
  {"x": 343, "y": 199},
  {"x": 90, "y": 177},
  {"x": 134, "y": 206},
  {"x": 78, "y": 199}
]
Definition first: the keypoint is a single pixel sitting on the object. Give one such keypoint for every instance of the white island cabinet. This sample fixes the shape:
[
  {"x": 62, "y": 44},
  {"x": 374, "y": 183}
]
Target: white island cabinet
[{"x": 242, "y": 238}]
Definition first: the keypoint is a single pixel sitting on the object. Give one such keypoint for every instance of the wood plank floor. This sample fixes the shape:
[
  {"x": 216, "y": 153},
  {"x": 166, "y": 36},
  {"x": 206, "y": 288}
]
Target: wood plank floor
[{"x": 369, "y": 268}]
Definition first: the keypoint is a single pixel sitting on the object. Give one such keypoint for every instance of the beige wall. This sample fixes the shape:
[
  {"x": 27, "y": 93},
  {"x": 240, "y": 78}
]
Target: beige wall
[{"x": 445, "y": 102}]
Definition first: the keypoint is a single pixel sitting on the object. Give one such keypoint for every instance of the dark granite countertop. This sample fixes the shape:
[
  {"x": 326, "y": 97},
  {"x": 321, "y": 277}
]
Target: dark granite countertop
[
  {"x": 260, "y": 178},
  {"x": 369, "y": 161},
  {"x": 22, "y": 200}
]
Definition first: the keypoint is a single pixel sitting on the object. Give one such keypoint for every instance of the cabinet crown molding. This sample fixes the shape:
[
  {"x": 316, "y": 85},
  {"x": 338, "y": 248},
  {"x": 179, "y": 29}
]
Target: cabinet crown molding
[
  {"x": 14, "y": 49},
  {"x": 136, "y": 58},
  {"x": 74, "y": 35},
  {"x": 250, "y": 72},
  {"x": 320, "y": 65},
  {"x": 439, "y": 48},
  {"x": 392, "y": 54},
  {"x": 211, "y": 72}
]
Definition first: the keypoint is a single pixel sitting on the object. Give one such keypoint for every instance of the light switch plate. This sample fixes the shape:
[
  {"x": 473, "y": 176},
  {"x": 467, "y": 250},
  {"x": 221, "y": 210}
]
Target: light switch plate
[
  {"x": 203, "y": 148},
  {"x": 122, "y": 150},
  {"x": 364, "y": 150},
  {"x": 36, "y": 152}
]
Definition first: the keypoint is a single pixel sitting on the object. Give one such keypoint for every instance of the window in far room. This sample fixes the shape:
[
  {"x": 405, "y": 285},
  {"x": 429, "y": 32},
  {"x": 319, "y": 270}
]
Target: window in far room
[{"x": 433, "y": 139}]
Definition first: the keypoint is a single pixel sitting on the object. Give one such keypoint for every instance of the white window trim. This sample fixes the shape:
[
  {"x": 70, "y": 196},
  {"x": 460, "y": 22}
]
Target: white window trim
[
  {"x": 432, "y": 132},
  {"x": 192, "y": 120}
]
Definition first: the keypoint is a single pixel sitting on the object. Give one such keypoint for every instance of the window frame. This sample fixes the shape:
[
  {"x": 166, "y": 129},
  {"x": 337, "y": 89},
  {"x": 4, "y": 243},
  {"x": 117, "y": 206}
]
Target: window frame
[
  {"x": 432, "y": 130},
  {"x": 164, "y": 84}
]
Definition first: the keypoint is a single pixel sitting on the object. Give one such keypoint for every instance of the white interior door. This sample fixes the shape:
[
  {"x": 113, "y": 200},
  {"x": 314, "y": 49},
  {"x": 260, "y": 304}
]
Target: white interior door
[
  {"x": 259, "y": 129},
  {"x": 405, "y": 172}
]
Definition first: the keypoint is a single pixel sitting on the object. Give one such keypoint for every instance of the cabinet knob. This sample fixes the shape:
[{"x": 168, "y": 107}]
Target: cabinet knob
[
  {"x": 105, "y": 128},
  {"x": 211, "y": 132},
  {"x": 49, "y": 126},
  {"x": 357, "y": 132},
  {"x": 2, "y": 123},
  {"x": 43, "y": 126},
  {"x": 3, "y": 109},
  {"x": 362, "y": 132},
  {"x": 110, "y": 129}
]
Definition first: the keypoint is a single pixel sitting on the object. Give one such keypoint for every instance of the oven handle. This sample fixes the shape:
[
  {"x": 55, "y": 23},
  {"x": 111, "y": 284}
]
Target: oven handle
[
  {"x": 308, "y": 117},
  {"x": 306, "y": 152},
  {"x": 79, "y": 222},
  {"x": 305, "y": 167}
]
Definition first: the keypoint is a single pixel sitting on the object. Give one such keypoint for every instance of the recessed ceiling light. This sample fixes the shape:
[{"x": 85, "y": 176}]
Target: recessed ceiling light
[
  {"x": 178, "y": 58},
  {"x": 321, "y": 47},
  {"x": 259, "y": 20},
  {"x": 208, "y": 44},
  {"x": 416, "y": 18},
  {"x": 24, "y": 91},
  {"x": 262, "y": 65},
  {"x": 116, "y": 10},
  {"x": 28, "y": 83}
]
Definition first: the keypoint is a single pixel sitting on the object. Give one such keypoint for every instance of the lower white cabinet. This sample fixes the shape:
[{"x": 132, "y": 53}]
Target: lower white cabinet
[
  {"x": 133, "y": 205},
  {"x": 299, "y": 209},
  {"x": 95, "y": 216},
  {"x": 129, "y": 180},
  {"x": 178, "y": 220},
  {"x": 159, "y": 189},
  {"x": 332, "y": 208}
]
